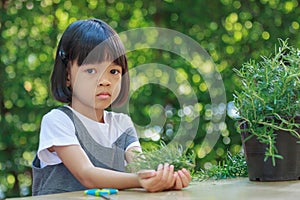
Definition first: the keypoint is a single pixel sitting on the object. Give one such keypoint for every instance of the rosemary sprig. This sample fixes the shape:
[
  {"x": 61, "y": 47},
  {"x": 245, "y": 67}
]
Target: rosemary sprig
[
  {"x": 231, "y": 167},
  {"x": 172, "y": 154}
]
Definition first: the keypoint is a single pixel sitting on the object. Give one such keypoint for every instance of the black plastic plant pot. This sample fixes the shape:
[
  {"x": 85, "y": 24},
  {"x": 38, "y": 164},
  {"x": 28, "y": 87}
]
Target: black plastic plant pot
[{"x": 285, "y": 169}]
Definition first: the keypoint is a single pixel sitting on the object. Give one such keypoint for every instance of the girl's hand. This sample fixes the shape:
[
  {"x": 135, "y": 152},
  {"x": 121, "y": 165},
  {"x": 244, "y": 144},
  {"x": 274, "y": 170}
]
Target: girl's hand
[
  {"x": 163, "y": 179},
  {"x": 182, "y": 180}
]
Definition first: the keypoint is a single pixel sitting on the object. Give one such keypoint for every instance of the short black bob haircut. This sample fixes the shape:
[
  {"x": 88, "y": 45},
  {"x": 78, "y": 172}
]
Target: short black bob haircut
[{"x": 88, "y": 42}]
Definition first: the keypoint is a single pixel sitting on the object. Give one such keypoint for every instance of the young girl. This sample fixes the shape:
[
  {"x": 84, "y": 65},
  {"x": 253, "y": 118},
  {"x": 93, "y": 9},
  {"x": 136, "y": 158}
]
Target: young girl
[{"x": 81, "y": 144}]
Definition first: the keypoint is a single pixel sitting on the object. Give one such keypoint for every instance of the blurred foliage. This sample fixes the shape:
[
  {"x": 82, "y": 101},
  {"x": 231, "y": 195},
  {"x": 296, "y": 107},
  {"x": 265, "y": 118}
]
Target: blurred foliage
[{"x": 231, "y": 31}]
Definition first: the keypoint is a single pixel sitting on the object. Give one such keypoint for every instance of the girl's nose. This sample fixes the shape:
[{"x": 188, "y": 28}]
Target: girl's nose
[{"x": 103, "y": 82}]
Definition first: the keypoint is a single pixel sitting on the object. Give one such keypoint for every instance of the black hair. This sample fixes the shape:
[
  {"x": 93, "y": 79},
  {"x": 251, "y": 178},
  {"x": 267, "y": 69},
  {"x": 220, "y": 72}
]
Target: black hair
[{"x": 87, "y": 42}]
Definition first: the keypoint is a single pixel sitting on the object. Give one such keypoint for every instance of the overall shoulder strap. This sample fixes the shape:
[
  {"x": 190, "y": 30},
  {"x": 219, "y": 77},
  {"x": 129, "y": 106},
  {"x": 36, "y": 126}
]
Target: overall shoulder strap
[{"x": 66, "y": 110}]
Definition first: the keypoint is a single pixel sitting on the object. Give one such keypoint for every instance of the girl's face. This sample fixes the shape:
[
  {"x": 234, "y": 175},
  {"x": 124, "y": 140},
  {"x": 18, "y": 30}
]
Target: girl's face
[{"x": 94, "y": 86}]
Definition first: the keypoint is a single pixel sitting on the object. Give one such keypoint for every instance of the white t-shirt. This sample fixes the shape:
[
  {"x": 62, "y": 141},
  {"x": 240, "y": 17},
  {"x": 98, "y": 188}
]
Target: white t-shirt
[{"x": 58, "y": 129}]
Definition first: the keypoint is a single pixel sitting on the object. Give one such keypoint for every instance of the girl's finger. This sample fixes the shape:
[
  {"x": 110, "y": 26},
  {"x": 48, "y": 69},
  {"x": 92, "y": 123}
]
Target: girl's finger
[
  {"x": 171, "y": 178},
  {"x": 178, "y": 183},
  {"x": 185, "y": 179},
  {"x": 157, "y": 183},
  {"x": 187, "y": 174},
  {"x": 146, "y": 173},
  {"x": 166, "y": 171}
]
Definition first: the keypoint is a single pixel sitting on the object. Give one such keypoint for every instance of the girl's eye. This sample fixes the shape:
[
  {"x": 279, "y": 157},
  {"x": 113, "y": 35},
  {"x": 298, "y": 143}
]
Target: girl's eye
[
  {"x": 91, "y": 71},
  {"x": 114, "y": 71}
]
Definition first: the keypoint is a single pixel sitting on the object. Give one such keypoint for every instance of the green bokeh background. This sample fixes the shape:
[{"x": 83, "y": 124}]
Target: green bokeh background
[{"x": 231, "y": 31}]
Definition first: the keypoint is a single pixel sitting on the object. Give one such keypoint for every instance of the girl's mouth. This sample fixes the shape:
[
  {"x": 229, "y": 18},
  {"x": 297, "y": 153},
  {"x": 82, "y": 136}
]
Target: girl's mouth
[{"x": 103, "y": 95}]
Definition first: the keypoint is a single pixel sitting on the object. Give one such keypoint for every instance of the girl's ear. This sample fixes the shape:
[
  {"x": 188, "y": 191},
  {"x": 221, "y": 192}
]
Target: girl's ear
[
  {"x": 68, "y": 82},
  {"x": 68, "y": 78}
]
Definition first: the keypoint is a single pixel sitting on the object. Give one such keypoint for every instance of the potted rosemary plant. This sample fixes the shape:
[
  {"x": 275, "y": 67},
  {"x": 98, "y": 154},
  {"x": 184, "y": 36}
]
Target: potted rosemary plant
[{"x": 268, "y": 106}]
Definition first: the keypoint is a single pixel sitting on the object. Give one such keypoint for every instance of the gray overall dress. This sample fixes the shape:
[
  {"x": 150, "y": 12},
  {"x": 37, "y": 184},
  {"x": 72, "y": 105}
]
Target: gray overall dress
[{"x": 57, "y": 178}]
